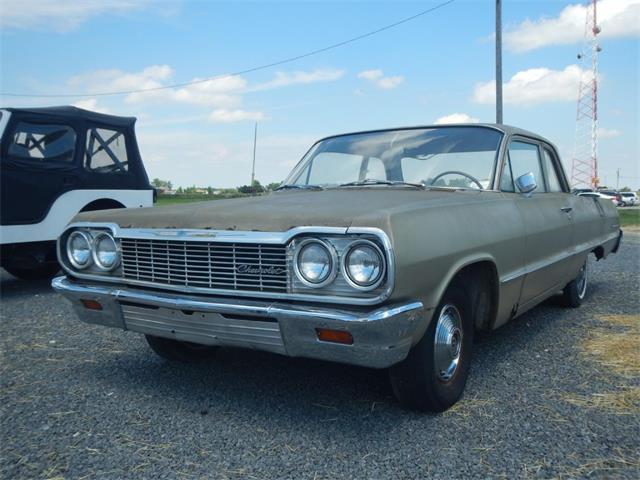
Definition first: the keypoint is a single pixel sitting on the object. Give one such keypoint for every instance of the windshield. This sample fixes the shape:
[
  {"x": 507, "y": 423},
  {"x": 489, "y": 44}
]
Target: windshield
[{"x": 458, "y": 157}]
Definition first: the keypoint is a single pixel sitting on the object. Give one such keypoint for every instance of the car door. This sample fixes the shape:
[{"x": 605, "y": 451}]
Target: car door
[
  {"x": 587, "y": 215},
  {"x": 547, "y": 219},
  {"x": 38, "y": 163}
]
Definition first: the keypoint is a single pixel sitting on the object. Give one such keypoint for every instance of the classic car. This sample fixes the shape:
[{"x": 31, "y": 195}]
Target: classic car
[
  {"x": 385, "y": 249},
  {"x": 54, "y": 163}
]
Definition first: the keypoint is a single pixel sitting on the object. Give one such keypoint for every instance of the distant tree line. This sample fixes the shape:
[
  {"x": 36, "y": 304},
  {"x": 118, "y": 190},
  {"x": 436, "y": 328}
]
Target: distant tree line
[{"x": 165, "y": 186}]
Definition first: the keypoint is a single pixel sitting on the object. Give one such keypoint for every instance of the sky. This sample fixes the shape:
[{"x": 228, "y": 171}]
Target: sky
[{"x": 436, "y": 68}]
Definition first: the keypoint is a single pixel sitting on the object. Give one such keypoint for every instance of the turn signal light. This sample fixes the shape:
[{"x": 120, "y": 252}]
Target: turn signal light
[
  {"x": 91, "y": 304},
  {"x": 334, "y": 336}
]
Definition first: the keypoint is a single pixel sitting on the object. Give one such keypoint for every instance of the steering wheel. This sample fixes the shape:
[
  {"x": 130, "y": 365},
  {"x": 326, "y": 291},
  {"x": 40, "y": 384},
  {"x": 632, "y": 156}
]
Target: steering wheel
[{"x": 456, "y": 172}]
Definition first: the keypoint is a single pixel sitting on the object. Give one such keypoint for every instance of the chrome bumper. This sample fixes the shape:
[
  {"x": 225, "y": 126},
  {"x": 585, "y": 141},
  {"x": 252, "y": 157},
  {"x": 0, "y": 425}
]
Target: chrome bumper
[{"x": 381, "y": 337}]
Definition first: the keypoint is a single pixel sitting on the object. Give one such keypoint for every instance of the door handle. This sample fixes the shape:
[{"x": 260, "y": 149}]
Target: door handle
[{"x": 566, "y": 209}]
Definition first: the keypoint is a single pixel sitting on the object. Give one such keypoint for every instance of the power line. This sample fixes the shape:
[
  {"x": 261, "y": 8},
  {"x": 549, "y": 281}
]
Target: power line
[{"x": 241, "y": 72}]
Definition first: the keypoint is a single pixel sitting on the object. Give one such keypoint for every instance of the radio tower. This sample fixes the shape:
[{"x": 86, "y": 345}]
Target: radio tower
[{"x": 584, "y": 171}]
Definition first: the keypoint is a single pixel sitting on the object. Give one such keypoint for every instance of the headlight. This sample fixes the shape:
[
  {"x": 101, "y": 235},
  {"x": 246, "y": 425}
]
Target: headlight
[
  {"x": 79, "y": 249},
  {"x": 315, "y": 263},
  {"x": 364, "y": 265},
  {"x": 105, "y": 251}
]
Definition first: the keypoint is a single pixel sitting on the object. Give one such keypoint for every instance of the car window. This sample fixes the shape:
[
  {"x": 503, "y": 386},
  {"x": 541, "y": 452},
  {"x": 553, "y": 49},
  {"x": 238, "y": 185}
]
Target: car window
[
  {"x": 333, "y": 167},
  {"x": 106, "y": 151},
  {"x": 43, "y": 142},
  {"x": 456, "y": 169},
  {"x": 522, "y": 158},
  {"x": 553, "y": 183}
]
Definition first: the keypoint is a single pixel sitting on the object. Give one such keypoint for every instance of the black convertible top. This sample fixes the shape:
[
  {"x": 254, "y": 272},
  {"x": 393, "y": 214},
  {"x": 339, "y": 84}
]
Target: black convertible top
[{"x": 75, "y": 112}]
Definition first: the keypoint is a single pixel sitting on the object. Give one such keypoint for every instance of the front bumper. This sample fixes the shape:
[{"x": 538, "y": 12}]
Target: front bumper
[{"x": 381, "y": 337}]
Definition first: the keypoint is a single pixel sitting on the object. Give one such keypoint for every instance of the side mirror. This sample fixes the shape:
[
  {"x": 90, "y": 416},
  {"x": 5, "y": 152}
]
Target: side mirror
[{"x": 526, "y": 184}]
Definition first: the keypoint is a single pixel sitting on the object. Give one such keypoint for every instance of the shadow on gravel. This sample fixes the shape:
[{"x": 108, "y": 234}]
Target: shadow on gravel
[
  {"x": 294, "y": 391},
  {"x": 12, "y": 287}
]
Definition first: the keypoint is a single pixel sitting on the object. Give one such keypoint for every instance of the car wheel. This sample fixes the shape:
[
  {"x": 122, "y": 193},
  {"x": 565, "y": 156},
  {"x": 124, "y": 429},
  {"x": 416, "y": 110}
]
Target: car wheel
[
  {"x": 433, "y": 375},
  {"x": 178, "y": 351},
  {"x": 576, "y": 290},
  {"x": 44, "y": 271}
]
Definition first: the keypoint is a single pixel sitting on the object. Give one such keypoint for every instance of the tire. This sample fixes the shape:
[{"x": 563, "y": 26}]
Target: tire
[
  {"x": 45, "y": 271},
  {"x": 576, "y": 290},
  {"x": 177, "y": 351},
  {"x": 419, "y": 381}
]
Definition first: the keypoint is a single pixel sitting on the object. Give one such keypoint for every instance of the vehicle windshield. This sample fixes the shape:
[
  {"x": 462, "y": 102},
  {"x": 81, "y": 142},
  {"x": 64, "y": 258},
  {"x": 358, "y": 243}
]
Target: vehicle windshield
[{"x": 454, "y": 157}]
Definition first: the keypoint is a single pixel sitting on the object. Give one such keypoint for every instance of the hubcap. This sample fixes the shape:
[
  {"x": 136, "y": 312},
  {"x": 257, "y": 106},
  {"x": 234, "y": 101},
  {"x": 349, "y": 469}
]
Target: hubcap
[
  {"x": 448, "y": 342},
  {"x": 582, "y": 281}
]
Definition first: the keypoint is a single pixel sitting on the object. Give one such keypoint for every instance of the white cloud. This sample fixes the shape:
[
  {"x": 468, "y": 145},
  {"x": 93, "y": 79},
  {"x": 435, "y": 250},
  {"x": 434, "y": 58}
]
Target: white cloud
[
  {"x": 60, "y": 16},
  {"x": 371, "y": 75},
  {"x": 608, "y": 133},
  {"x": 377, "y": 77},
  {"x": 456, "y": 118},
  {"x": 616, "y": 18},
  {"x": 285, "y": 79},
  {"x": 229, "y": 116},
  {"x": 222, "y": 92},
  {"x": 90, "y": 104},
  {"x": 533, "y": 86}
]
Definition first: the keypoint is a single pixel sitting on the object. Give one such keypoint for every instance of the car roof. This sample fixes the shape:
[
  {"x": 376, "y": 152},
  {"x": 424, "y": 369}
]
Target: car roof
[
  {"x": 506, "y": 129},
  {"x": 75, "y": 112}
]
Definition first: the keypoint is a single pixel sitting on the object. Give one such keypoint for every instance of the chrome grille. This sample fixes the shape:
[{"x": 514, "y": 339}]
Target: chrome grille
[{"x": 226, "y": 266}]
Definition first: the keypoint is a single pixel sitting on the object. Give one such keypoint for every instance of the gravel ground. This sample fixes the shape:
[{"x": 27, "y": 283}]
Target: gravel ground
[{"x": 81, "y": 401}]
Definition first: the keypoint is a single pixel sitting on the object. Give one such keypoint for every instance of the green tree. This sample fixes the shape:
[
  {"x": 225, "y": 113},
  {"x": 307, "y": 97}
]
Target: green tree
[{"x": 272, "y": 186}]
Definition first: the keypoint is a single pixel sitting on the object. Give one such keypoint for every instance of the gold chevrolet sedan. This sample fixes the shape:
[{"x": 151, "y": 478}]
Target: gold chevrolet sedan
[{"x": 386, "y": 249}]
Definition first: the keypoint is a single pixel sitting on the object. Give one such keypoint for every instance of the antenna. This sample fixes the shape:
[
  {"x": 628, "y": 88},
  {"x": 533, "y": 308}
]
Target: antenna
[
  {"x": 584, "y": 169},
  {"x": 253, "y": 168}
]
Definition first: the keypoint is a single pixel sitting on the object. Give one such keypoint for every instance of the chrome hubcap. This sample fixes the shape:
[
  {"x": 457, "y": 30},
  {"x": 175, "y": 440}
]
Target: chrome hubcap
[
  {"x": 582, "y": 281},
  {"x": 448, "y": 342}
]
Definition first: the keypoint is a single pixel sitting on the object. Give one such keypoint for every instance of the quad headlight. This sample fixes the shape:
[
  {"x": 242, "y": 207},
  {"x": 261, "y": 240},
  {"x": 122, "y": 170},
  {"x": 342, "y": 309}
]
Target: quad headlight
[
  {"x": 79, "y": 249},
  {"x": 315, "y": 263},
  {"x": 363, "y": 265},
  {"x": 105, "y": 251},
  {"x": 95, "y": 251}
]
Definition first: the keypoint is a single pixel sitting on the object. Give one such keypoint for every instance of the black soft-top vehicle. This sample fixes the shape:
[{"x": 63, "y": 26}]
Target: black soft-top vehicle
[{"x": 54, "y": 163}]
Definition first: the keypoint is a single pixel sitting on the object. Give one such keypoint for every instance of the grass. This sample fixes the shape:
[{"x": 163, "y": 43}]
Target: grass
[
  {"x": 630, "y": 217},
  {"x": 615, "y": 348},
  {"x": 180, "y": 199}
]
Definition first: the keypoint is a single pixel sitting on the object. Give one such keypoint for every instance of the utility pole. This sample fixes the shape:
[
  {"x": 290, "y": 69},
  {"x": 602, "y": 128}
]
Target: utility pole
[
  {"x": 253, "y": 168},
  {"x": 618, "y": 179},
  {"x": 498, "y": 61}
]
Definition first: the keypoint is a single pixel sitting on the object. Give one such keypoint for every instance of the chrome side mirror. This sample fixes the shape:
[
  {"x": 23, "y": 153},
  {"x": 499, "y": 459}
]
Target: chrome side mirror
[{"x": 526, "y": 184}]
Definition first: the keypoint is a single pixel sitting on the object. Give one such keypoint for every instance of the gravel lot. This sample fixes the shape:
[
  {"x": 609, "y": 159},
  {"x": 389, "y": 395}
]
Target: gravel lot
[{"x": 80, "y": 401}]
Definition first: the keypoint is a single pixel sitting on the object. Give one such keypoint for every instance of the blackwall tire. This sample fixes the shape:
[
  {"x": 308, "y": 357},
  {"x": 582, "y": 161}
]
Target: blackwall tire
[
  {"x": 576, "y": 290},
  {"x": 422, "y": 381},
  {"x": 42, "y": 272}
]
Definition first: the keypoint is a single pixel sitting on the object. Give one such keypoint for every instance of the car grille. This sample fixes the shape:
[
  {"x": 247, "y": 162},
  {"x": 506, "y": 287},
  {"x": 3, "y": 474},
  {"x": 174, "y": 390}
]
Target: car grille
[{"x": 213, "y": 265}]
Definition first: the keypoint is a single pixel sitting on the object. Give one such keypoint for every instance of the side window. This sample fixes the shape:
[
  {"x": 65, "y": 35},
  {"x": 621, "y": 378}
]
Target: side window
[
  {"x": 524, "y": 158},
  {"x": 106, "y": 151},
  {"x": 43, "y": 142},
  {"x": 553, "y": 182}
]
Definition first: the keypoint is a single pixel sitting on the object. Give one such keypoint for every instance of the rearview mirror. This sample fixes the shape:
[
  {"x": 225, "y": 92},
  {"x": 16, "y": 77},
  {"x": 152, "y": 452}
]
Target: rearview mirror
[{"x": 526, "y": 183}]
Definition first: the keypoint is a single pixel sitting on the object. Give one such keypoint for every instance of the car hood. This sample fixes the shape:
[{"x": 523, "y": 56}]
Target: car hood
[{"x": 281, "y": 211}]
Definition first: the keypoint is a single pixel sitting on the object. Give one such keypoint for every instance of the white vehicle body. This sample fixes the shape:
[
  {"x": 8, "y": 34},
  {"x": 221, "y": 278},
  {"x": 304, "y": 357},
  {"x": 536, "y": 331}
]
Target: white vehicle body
[
  {"x": 67, "y": 206},
  {"x": 599, "y": 195},
  {"x": 630, "y": 199}
]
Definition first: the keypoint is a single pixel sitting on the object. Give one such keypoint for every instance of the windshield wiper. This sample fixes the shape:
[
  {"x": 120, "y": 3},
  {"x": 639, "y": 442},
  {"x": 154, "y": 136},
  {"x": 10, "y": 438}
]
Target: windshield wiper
[
  {"x": 299, "y": 187},
  {"x": 371, "y": 181}
]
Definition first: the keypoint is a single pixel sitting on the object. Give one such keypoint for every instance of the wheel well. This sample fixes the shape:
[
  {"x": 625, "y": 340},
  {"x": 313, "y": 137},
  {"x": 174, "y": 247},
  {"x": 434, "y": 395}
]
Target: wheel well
[
  {"x": 102, "y": 204},
  {"x": 480, "y": 279},
  {"x": 599, "y": 252}
]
